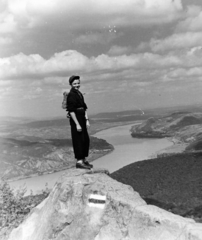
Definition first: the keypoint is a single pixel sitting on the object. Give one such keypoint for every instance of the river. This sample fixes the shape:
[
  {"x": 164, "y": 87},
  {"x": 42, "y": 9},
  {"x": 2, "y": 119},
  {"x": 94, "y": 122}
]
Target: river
[{"x": 126, "y": 150}]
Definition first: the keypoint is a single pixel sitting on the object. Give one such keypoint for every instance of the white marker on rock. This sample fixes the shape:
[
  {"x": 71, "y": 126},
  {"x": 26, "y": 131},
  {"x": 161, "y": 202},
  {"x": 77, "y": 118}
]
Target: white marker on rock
[{"x": 96, "y": 200}]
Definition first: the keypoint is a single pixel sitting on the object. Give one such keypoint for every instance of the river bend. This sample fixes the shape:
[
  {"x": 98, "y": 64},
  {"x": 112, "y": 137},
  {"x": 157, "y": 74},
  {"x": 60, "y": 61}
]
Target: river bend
[{"x": 126, "y": 151}]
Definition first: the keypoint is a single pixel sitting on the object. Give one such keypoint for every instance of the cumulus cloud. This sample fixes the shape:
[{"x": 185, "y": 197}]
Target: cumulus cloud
[
  {"x": 78, "y": 13},
  {"x": 23, "y": 66},
  {"x": 195, "y": 51},
  {"x": 187, "y": 34},
  {"x": 39, "y": 71},
  {"x": 177, "y": 41},
  {"x": 192, "y": 21},
  {"x": 183, "y": 72},
  {"x": 61, "y": 64},
  {"x": 46, "y": 41}
]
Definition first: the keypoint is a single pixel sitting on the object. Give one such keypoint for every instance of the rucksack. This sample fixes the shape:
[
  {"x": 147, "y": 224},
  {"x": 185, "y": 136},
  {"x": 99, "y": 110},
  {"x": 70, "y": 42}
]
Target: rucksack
[{"x": 64, "y": 101}]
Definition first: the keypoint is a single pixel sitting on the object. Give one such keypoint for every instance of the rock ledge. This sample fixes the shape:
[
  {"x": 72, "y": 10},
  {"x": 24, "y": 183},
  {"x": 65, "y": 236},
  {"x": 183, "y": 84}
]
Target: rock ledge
[{"x": 85, "y": 205}]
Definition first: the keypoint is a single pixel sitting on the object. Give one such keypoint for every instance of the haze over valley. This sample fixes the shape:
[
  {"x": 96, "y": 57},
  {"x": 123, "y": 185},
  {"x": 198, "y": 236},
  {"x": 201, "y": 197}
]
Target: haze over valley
[
  {"x": 29, "y": 148},
  {"x": 34, "y": 147}
]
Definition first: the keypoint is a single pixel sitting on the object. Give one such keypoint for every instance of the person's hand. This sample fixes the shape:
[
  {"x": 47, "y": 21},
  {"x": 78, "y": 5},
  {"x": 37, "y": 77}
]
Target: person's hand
[
  {"x": 87, "y": 123},
  {"x": 78, "y": 127}
]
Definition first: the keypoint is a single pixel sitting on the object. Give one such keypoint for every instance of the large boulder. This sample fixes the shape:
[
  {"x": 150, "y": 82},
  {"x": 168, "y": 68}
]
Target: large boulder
[{"x": 86, "y": 205}]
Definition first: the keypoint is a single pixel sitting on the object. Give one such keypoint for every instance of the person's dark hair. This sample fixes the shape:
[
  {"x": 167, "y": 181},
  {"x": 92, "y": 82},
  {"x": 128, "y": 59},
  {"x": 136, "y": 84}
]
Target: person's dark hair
[{"x": 72, "y": 78}]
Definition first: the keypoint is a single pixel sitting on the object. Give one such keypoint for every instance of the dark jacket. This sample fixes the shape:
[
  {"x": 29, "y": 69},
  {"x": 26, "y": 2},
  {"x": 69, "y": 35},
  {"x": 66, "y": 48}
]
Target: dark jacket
[{"x": 75, "y": 100}]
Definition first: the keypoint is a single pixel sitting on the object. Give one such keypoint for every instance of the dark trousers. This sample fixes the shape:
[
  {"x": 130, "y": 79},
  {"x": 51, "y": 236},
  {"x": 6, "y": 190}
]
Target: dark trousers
[{"x": 80, "y": 140}]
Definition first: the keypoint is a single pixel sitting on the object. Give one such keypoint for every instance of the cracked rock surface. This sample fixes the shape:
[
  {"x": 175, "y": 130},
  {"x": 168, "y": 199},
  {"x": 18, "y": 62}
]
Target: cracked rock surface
[{"x": 86, "y": 205}]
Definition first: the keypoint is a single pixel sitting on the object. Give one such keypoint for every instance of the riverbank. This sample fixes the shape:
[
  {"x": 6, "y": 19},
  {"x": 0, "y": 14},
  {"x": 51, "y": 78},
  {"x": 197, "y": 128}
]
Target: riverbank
[
  {"x": 126, "y": 150},
  {"x": 176, "y": 147}
]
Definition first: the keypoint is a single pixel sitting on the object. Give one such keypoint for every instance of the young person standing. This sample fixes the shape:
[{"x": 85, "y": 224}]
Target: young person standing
[{"x": 79, "y": 122}]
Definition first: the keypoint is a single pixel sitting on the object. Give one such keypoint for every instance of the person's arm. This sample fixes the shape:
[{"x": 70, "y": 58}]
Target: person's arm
[
  {"x": 78, "y": 126},
  {"x": 72, "y": 105},
  {"x": 87, "y": 119}
]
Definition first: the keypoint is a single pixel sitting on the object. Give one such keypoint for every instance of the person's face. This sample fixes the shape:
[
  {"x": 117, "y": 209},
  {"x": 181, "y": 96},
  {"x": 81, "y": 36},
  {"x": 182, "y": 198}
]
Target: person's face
[{"x": 76, "y": 84}]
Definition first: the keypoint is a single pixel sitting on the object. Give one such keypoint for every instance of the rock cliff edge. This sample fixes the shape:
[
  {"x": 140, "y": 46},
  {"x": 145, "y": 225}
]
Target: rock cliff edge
[{"x": 85, "y": 205}]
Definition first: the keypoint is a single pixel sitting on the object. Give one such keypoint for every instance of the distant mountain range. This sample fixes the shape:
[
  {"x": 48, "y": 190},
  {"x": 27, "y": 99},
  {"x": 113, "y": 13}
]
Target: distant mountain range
[{"x": 128, "y": 115}]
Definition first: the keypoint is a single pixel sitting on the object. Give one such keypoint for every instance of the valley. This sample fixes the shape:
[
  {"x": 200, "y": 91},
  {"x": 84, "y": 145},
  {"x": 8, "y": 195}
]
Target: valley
[
  {"x": 171, "y": 179},
  {"x": 31, "y": 148}
]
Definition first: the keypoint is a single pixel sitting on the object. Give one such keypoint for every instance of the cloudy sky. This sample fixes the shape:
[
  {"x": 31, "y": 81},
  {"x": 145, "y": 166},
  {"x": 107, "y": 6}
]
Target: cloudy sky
[{"x": 130, "y": 54}]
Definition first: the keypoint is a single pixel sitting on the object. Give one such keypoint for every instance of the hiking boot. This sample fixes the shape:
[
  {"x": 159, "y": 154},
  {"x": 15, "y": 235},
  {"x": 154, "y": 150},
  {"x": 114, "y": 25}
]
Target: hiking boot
[
  {"x": 88, "y": 164},
  {"x": 82, "y": 165}
]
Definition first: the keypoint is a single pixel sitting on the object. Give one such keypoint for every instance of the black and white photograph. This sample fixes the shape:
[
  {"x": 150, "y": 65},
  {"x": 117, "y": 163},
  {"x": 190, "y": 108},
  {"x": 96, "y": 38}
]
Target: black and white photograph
[{"x": 100, "y": 120}]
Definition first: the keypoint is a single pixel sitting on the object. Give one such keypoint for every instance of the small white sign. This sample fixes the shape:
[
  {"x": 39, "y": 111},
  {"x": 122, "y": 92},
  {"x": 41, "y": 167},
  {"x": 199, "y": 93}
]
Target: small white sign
[{"x": 97, "y": 201}]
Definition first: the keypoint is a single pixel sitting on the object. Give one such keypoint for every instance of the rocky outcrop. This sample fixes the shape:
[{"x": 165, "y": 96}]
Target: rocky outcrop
[{"x": 86, "y": 205}]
